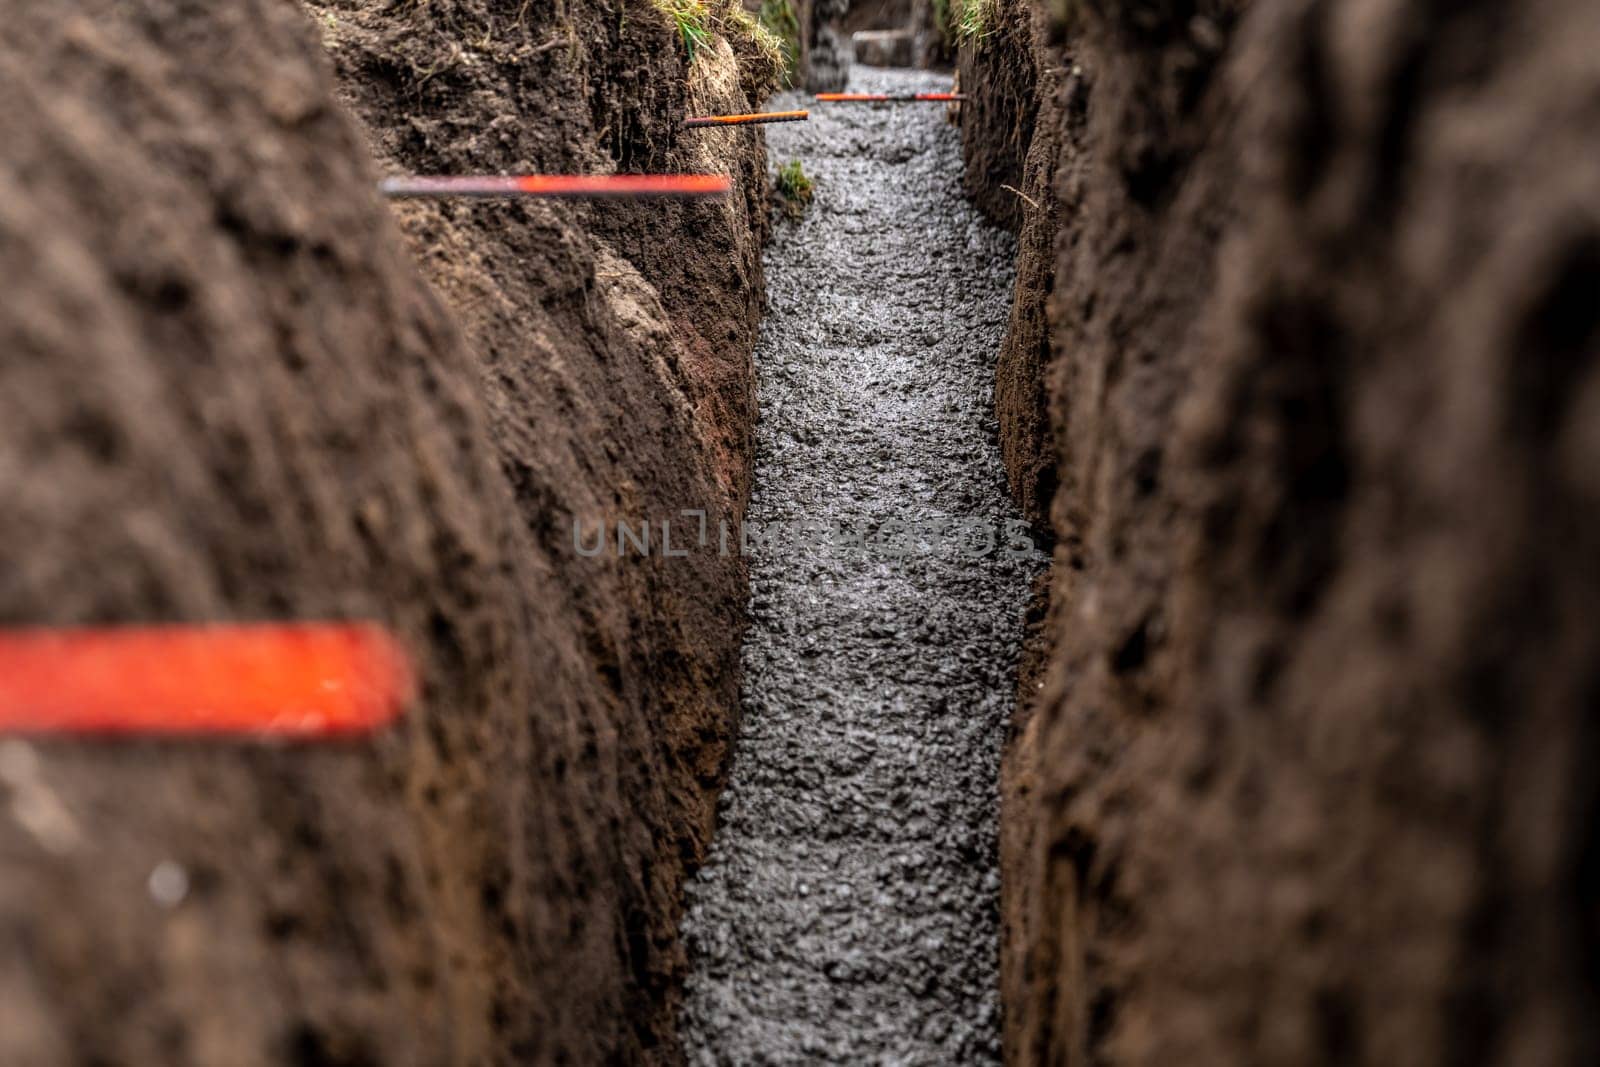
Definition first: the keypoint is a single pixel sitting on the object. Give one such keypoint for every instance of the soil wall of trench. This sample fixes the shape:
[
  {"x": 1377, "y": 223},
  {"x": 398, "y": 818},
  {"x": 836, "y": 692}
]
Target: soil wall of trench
[
  {"x": 1302, "y": 376},
  {"x": 234, "y": 385}
]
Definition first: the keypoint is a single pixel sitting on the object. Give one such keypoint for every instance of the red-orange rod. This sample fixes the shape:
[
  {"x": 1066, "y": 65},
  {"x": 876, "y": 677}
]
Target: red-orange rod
[
  {"x": 747, "y": 120},
  {"x": 567, "y": 186},
  {"x": 294, "y": 681},
  {"x": 878, "y": 98}
]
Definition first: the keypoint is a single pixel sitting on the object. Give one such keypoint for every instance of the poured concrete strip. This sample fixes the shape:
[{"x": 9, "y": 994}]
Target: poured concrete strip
[{"x": 849, "y": 909}]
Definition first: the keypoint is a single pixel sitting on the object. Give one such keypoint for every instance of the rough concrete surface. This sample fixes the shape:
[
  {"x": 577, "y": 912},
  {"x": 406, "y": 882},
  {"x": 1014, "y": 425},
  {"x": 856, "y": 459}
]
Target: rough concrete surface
[{"x": 849, "y": 909}]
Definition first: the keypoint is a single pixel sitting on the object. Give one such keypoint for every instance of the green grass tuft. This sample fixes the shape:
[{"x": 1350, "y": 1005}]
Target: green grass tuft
[
  {"x": 692, "y": 20},
  {"x": 768, "y": 45},
  {"x": 794, "y": 188},
  {"x": 763, "y": 53},
  {"x": 975, "y": 21},
  {"x": 779, "y": 19}
]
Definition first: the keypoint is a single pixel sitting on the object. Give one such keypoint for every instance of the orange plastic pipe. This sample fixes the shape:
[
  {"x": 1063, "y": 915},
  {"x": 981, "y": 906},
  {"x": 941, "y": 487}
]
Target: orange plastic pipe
[
  {"x": 315, "y": 680},
  {"x": 746, "y": 120},
  {"x": 559, "y": 185}
]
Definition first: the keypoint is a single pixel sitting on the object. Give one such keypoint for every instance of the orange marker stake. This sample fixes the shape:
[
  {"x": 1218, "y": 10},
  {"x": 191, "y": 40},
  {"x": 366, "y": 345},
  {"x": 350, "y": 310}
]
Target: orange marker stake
[
  {"x": 883, "y": 98},
  {"x": 563, "y": 186},
  {"x": 747, "y": 120},
  {"x": 310, "y": 681}
]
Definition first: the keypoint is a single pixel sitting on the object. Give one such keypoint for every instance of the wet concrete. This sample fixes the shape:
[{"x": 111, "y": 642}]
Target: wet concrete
[{"x": 849, "y": 909}]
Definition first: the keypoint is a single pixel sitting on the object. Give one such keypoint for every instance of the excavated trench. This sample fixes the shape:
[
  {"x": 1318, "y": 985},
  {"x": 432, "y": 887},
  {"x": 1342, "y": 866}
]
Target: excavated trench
[{"x": 849, "y": 908}]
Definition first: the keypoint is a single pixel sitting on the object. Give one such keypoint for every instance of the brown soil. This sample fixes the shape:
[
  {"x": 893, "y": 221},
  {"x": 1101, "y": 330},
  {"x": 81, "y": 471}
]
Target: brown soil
[
  {"x": 918, "y": 16},
  {"x": 824, "y": 62},
  {"x": 1021, "y": 91},
  {"x": 228, "y": 394},
  {"x": 1309, "y": 778},
  {"x": 879, "y": 14}
]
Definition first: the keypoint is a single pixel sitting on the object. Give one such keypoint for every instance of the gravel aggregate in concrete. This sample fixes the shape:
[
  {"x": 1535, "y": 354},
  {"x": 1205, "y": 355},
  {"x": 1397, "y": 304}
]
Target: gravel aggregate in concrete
[{"x": 849, "y": 910}]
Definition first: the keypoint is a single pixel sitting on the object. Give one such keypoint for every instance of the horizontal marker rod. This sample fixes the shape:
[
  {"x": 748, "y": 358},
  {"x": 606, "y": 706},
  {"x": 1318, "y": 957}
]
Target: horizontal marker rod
[
  {"x": 566, "y": 186},
  {"x": 747, "y": 120},
  {"x": 293, "y": 681},
  {"x": 880, "y": 98}
]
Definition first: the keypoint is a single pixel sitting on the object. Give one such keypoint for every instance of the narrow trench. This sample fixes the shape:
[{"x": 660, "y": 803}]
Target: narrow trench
[{"x": 849, "y": 910}]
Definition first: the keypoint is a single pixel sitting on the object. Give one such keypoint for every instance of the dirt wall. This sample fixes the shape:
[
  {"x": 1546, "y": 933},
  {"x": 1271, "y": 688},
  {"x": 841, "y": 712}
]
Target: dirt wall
[
  {"x": 930, "y": 46},
  {"x": 229, "y": 394},
  {"x": 1307, "y": 780},
  {"x": 1025, "y": 96},
  {"x": 825, "y": 49}
]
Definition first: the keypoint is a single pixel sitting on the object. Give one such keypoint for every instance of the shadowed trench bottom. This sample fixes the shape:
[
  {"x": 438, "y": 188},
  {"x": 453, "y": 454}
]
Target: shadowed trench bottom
[{"x": 849, "y": 909}]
